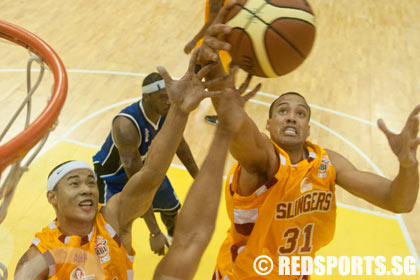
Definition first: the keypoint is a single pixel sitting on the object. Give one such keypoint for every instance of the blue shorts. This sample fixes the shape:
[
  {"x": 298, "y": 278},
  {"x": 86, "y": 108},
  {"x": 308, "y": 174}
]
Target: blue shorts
[{"x": 165, "y": 199}]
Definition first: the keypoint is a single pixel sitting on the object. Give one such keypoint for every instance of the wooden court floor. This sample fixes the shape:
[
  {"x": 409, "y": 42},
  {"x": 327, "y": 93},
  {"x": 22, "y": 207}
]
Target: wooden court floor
[{"x": 364, "y": 65}]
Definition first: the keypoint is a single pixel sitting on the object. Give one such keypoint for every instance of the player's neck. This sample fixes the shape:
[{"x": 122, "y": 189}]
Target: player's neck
[
  {"x": 297, "y": 154},
  {"x": 150, "y": 113},
  {"x": 72, "y": 227}
]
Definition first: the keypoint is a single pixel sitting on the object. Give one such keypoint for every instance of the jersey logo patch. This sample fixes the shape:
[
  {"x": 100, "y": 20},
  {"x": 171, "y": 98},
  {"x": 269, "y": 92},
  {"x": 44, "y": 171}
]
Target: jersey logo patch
[
  {"x": 102, "y": 250},
  {"x": 80, "y": 258},
  {"x": 304, "y": 186},
  {"x": 323, "y": 168},
  {"x": 147, "y": 136},
  {"x": 79, "y": 273}
]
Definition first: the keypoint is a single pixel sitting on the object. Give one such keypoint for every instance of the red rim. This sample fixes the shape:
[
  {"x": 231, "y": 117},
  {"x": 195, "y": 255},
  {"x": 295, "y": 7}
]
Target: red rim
[{"x": 20, "y": 145}]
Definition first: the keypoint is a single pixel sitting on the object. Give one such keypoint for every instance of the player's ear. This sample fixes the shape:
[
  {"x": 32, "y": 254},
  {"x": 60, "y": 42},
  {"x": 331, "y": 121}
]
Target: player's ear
[
  {"x": 52, "y": 197},
  {"x": 267, "y": 126}
]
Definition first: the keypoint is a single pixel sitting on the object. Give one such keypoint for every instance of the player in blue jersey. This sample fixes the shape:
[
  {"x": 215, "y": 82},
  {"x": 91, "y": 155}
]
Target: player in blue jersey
[{"x": 125, "y": 150}]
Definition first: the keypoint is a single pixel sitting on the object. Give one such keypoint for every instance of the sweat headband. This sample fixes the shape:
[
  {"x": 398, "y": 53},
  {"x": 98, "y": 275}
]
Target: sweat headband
[
  {"x": 155, "y": 86},
  {"x": 63, "y": 170}
]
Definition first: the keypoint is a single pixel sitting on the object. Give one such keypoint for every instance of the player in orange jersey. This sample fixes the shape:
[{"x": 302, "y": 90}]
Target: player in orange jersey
[
  {"x": 280, "y": 196},
  {"x": 91, "y": 241}
]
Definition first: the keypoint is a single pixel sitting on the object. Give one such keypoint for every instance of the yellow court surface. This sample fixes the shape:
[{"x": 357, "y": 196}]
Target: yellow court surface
[{"x": 371, "y": 234}]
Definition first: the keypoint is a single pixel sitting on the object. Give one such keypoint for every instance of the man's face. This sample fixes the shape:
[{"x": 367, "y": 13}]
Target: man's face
[
  {"x": 159, "y": 101},
  {"x": 76, "y": 196},
  {"x": 289, "y": 122}
]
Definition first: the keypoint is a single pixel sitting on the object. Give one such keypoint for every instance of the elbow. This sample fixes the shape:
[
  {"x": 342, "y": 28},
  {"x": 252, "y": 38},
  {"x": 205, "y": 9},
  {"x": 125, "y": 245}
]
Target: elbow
[{"x": 402, "y": 208}]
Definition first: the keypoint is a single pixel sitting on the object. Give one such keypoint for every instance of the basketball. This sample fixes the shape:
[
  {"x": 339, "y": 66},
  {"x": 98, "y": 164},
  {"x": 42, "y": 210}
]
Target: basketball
[{"x": 270, "y": 38}]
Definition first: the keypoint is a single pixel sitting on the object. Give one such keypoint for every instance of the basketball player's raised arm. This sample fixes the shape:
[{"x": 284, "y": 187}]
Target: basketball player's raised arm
[
  {"x": 252, "y": 149},
  {"x": 185, "y": 156},
  {"x": 185, "y": 95},
  {"x": 398, "y": 195},
  {"x": 127, "y": 139},
  {"x": 195, "y": 224}
]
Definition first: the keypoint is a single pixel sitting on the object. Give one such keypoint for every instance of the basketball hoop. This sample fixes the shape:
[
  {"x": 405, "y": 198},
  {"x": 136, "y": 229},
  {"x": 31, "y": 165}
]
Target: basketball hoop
[
  {"x": 14, "y": 150},
  {"x": 21, "y": 144}
]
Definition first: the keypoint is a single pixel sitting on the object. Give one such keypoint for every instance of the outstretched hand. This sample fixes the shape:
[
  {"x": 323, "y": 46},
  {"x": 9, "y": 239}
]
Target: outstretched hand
[
  {"x": 404, "y": 145},
  {"x": 213, "y": 42},
  {"x": 189, "y": 47},
  {"x": 187, "y": 92},
  {"x": 231, "y": 102}
]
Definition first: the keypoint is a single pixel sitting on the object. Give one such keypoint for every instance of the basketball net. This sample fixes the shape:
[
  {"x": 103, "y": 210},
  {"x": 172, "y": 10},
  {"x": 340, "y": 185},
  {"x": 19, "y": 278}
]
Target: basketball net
[
  {"x": 17, "y": 169},
  {"x": 17, "y": 153}
]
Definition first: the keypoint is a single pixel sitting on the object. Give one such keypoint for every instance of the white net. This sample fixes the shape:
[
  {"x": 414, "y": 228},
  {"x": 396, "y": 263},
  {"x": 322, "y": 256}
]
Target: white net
[{"x": 15, "y": 172}]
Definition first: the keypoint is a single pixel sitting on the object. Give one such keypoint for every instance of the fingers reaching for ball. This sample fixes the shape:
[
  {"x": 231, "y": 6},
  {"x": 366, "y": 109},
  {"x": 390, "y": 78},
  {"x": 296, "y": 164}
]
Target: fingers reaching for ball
[{"x": 214, "y": 38}]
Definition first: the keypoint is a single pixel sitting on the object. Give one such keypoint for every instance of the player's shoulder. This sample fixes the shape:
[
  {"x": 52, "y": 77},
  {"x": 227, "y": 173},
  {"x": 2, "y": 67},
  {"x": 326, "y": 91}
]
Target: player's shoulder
[{"x": 339, "y": 162}]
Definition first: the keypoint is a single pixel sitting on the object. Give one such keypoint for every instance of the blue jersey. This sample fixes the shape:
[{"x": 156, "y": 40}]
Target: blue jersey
[{"x": 111, "y": 168}]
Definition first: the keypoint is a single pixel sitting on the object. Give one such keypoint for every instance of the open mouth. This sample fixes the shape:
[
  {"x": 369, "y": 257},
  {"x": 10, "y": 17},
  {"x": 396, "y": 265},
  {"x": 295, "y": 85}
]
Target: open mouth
[
  {"x": 290, "y": 131},
  {"x": 86, "y": 204}
]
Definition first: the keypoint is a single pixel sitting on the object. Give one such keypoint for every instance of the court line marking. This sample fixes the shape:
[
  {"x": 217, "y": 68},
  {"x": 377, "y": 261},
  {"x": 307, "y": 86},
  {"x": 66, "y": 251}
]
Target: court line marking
[
  {"x": 119, "y": 73},
  {"x": 401, "y": 222}
]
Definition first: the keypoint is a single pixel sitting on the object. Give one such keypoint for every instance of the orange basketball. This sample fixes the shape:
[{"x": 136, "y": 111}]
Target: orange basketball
[{"x": 270, "y": 38}]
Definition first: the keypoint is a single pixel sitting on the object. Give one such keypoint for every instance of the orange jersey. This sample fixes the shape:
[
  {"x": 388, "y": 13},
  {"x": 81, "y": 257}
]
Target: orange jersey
[
  {"x": 100, "y": 255},
  {"x": 291, "y": 215}
]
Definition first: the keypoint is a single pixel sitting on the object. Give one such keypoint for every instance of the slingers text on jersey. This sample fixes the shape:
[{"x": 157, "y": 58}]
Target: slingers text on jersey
[{"x": 315, "y": 201}]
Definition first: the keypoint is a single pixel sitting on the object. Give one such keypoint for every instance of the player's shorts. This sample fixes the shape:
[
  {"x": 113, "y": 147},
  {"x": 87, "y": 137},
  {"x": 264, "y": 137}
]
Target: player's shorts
[{"x": 165, "y": 199}]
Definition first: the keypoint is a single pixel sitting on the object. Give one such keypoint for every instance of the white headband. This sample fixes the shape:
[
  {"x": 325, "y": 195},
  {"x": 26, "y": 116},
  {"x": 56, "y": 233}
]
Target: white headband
[
  {"x": 63, "y": 170},
  {"x": 158, "y": 85}
]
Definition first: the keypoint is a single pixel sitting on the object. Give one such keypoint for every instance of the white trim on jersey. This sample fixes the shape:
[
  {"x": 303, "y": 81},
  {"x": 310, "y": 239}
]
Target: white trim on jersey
[
  {"x": 112, "y": 174},
  {"x": 167, "y": 209},
  {"x": 155, "y": 126},
  {"x": 109, "y": 152},
  {"x": 245, "y": 216}
]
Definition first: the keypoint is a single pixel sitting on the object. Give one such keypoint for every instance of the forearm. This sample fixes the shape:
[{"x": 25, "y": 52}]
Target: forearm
[
  {"x": 165, "y": 144},
  {"x": 133, "y": 165},
  {"x": 195, "y": 223},
  {"x": 186, "y": 157},
  {"x": 194, "y": 219},
  {"x": 404, "y": 189},
  {"x": 150, "y": 220}
]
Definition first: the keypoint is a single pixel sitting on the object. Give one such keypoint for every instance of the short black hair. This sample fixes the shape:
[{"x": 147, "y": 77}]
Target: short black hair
[
  {"x": 270, "y": 112},
  {"x": 151, "y": 78}
]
